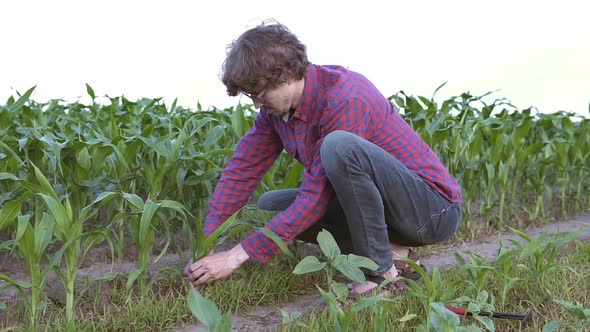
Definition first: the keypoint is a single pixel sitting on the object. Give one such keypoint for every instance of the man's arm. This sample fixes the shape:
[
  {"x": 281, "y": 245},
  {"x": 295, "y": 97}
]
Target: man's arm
[
  {"x": 311, "y": 203},
  {"x": 254, "y": 155}
]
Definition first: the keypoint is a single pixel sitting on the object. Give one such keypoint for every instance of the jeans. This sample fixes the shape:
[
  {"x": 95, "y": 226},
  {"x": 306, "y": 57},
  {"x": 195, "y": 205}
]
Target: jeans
[{"x": 378, "y": 201}]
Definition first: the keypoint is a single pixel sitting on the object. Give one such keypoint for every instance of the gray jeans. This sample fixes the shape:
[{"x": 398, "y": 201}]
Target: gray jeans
[{"x": 378, "y": 201}]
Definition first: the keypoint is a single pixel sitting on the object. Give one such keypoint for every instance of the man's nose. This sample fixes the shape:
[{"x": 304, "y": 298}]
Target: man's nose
[{"x": 257, "y": 104}]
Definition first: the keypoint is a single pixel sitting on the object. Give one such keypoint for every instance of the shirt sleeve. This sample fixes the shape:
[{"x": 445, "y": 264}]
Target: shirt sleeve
[
  {"x": 315, "y": 192},
  {"x": 254, "y": 155}
]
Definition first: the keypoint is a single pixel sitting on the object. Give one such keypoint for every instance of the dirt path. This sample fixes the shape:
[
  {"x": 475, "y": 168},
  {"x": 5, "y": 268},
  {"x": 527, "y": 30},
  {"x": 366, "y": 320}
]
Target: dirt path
[{"x": 269, "y": 318}]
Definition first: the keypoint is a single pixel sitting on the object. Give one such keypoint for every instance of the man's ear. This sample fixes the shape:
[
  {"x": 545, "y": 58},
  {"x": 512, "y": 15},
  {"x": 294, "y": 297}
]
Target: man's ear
[{"x": 289, "y": 78}]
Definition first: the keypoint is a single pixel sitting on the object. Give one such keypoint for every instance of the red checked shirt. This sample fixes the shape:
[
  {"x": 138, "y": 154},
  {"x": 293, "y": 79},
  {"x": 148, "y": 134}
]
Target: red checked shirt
[{"x": 334, "y": 98}]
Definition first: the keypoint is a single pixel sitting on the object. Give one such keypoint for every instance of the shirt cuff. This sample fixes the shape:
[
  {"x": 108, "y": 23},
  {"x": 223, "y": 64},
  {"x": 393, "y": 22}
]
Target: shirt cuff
[{"x": 259, "y": 247}]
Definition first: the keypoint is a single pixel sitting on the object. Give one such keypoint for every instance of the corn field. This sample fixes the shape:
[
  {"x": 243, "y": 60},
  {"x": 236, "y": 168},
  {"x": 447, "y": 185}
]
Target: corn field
[{"x": 76, "y": 175}]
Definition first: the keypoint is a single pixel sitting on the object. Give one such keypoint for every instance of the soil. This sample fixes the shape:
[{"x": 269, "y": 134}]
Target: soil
[{"x": 269, "y": 318}]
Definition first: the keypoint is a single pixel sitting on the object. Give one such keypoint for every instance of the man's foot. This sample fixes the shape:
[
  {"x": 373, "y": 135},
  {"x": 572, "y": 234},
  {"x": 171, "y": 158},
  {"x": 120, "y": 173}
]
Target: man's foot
[
  {"x": 404, "y": 269},
  {"x": 371, "y": 286}
]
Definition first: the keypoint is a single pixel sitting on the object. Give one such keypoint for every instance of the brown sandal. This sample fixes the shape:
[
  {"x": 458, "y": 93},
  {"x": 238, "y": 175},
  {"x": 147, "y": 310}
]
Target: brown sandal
[
  {"x": 405, "y": 270},
  {"x": 389, "y": 290}
]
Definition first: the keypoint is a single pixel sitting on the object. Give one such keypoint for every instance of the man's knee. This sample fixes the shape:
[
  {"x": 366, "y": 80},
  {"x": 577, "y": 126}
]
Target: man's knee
[
  {"x": 335, "y": 146},
  {"x": 265, "y": 202}
]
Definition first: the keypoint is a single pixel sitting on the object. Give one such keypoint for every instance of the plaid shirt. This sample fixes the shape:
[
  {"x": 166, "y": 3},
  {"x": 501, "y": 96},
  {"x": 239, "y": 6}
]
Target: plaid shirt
[{"x": 334, "y": 98}]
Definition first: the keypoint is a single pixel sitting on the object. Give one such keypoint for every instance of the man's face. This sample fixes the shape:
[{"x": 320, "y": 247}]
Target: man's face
[{"x": 277, "y": 100}]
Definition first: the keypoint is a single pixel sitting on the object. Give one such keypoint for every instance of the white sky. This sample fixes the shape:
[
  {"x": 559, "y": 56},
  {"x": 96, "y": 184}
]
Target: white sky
[{"x": 536, "y": 52}]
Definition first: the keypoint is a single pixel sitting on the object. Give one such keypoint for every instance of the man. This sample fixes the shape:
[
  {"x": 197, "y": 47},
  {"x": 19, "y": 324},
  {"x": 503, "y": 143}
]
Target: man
[{"x": 369, "y": 178}]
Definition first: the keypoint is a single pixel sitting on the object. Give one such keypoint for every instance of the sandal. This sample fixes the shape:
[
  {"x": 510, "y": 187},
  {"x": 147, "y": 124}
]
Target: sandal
[
  {"x": 389, "y": 290},
  {"x": 405, "y": 270}
]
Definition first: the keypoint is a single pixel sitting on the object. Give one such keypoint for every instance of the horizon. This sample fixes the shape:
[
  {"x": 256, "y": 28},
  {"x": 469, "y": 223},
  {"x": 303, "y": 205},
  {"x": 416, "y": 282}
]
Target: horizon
[{"x": 533, "y": 53}]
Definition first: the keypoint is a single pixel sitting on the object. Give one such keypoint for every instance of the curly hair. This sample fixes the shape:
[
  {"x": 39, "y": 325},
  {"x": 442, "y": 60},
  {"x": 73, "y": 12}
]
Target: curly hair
[{"x": 263, "y": 57}]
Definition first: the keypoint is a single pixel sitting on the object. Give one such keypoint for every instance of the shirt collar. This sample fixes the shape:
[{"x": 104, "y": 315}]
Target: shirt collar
[{"x": 310, "y": 92}]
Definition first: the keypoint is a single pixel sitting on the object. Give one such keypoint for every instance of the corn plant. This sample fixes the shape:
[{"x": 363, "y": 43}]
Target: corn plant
[
  {"x": 33, "y": 240},
  {"x": 69, "y": 231},
  {"x": 476, "y": 272},
  {"x": 431, "y": 288},
  {"x": 540, "y": 253},
  {"x": 504, "y": 266},
  {"x": 143, "y": 220}
]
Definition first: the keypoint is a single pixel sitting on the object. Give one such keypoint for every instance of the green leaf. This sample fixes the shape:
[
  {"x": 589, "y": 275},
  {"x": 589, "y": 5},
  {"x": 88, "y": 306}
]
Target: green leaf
[
  {"x": 106, "y": 195},
  {"x": 45, "y": 185},
  {"x": 203, "y": 309},
  {"x": 440, "y": 317},
  {"x": 407, "y": 317},
  {"x": 533, "y": 247},
  {"x": 134, "y": 200},
  {"x": 366, "y": 302},
  {"x": 278, "y": 241},
  {"x": 16, "y": 283},
  {"x": 22, "y": 100},
  {"x": 8, "y": 213},
  {"x": 58, "y": 212},
  {"x": 22, "y": 225},
  {"x": 132, "y": 277},
  {"x": 350, "y": 271},
  {"x": 4, "y": 176},
  {"x": 554, "y": 325},
  {"x": 328, "y": 244},
  {"x": 147, "y": 216},
  {"x": 363, "y": 262},
  {"x": 309, "y": 264},
  {"x": 84, "y": 159},
  {"x": 520, "y": 234},
  {"x": 487, "y": 322},
  {"x": 225, "y": 324},
  {"x": 90, "y": 91},
  {"x": 238, "y": 121},
  {"x": 340, "y": 290},
  {"x": 43, "y": 234}
]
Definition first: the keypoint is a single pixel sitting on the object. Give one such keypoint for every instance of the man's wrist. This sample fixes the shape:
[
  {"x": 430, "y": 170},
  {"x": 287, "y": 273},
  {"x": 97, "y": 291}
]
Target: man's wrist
[{"x": 240, "y": 254}]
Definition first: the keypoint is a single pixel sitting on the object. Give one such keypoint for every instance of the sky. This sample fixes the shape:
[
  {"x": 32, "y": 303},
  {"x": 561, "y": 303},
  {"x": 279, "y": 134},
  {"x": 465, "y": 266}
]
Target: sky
[{"x": 534, "y": 53}]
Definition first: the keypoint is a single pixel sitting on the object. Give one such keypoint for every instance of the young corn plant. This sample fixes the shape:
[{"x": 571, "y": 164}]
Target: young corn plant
[
  {"x": 504, "y": 271},
  {"x": 69, "y": 230},
  {"x": 431, "y": 288},
  {"x": 540, "y": 254},
  {"x": 476, "y": 272},
  {"x": 143, "y": 222},
  {"x": 33, "y": 240},
  {"x": 205, "y": 245}
]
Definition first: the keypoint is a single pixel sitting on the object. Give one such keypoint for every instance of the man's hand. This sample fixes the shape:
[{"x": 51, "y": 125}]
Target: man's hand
[{"x": 215, "y": 266}]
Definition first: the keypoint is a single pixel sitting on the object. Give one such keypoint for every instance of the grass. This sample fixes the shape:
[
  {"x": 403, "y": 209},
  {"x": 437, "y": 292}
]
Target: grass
[
  {"x": 530, "y": 292},
  {"x": 107, "y": 307}
]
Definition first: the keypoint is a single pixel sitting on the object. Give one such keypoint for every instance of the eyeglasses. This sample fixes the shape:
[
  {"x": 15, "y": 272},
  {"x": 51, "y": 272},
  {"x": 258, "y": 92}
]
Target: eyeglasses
[{"x": 257, "y": 98}]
